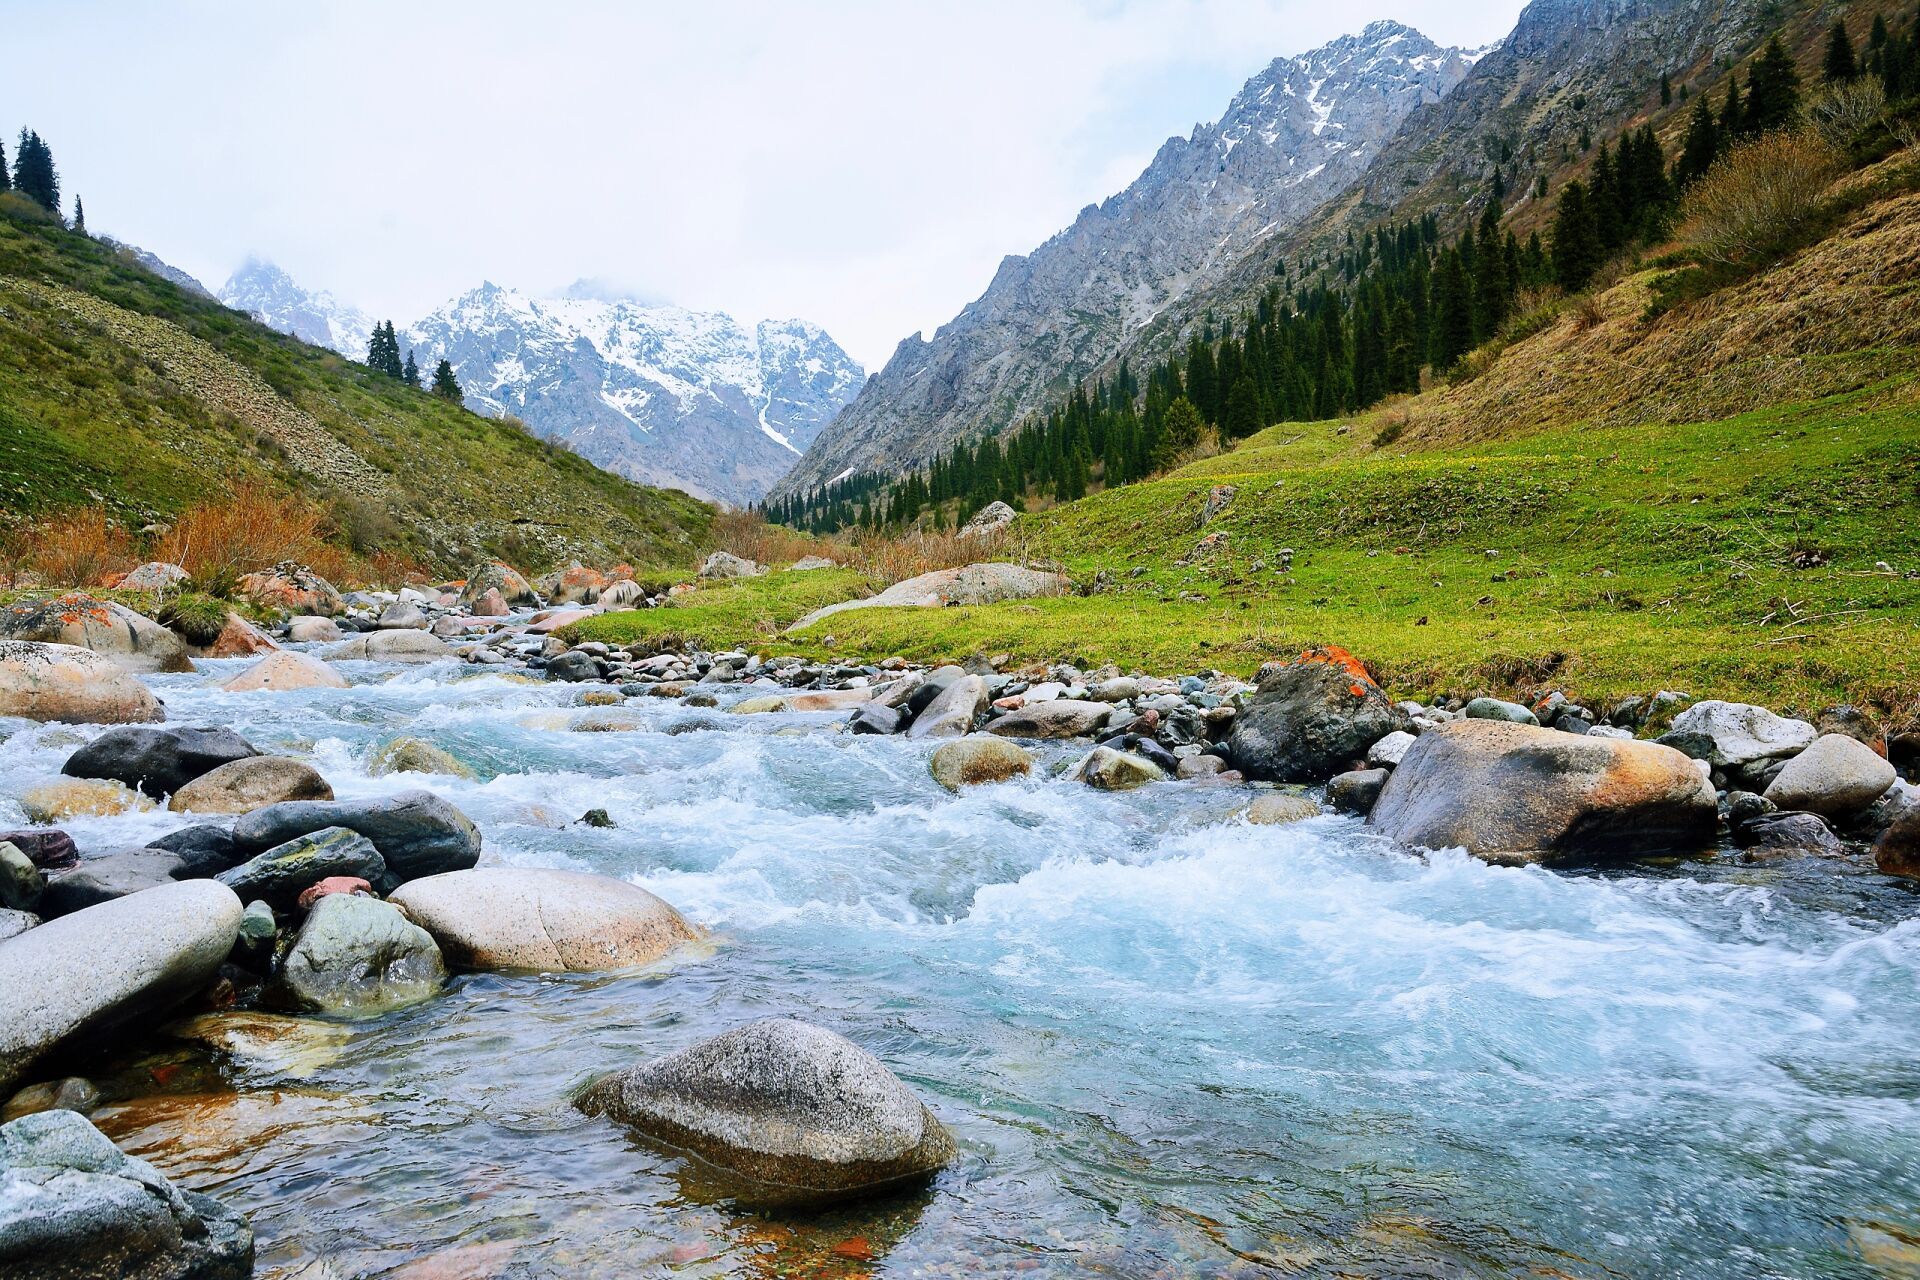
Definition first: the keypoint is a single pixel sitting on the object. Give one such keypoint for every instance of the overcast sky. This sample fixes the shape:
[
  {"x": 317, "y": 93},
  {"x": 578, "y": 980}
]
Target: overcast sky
[{"x": 862, "y": 165}]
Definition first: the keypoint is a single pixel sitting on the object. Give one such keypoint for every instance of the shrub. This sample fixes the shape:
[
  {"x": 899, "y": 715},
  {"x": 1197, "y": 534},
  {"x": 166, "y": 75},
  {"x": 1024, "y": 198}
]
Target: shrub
[
  {"x": 196, "y": 617},
  {"x": 1757, "y": 198},
  {"x": 1847, "y": 110},
  {"x": 747, "y": 533},
  {"x": 218, "y": 542},
  {"x": 80, "y": 549}
]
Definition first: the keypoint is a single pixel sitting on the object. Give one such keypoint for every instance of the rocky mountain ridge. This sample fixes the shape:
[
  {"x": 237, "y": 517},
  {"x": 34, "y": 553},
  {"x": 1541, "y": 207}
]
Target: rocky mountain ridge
[
  {"x": 1296, "y": 134},
  {"x": 275, "y": 299}
]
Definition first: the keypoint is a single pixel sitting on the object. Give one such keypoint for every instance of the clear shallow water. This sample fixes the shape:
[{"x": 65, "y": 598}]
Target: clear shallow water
[{"x": 1169, "y": 1044}]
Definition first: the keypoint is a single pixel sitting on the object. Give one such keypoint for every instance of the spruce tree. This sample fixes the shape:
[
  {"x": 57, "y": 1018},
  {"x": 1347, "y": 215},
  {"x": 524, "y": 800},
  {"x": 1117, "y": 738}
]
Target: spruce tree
[
  {"x": 6, "y": 178},
  {"x": 1243, "y": 409},
  {"x": 1732, "y": 116},
  {"x": 444, "y": 384},
  {"x": 1839, "y": 64},
  {"x": 79, "y": 216},
  {"x": 411, "y": 374},
  {"x": 34, "y": 175},
  {"x": 1576, "y": 239},
  {"x": 1181, "y": 433},
  {"x": 1666, "y": 90},
  {"x": 1773, "y": 91},
  {"x": 1701, "y": 148}
]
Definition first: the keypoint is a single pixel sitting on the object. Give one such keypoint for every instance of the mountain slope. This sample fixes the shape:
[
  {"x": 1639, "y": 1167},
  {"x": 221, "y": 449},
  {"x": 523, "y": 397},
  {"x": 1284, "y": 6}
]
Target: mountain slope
[
  {"x": 272, "y": 297},
  {"x": 1298, "y": 132},
  {"x": 660, "y": 394},
  {"x": 123, "y": 390}
]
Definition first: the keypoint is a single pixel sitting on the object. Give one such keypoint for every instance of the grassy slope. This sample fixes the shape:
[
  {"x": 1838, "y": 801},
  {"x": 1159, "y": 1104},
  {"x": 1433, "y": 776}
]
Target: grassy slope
[
  {"x": 117, "y": 387},
  {"x": 1652, "y": 528}
]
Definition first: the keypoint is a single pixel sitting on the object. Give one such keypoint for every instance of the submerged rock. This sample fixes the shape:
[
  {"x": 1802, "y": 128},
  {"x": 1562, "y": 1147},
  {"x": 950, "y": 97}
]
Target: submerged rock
[
  {"x": 80, "y": 798},
  {"x": 977, "y": 759},
  {"x": 286, "y": 670},
  {"x": 120, "y": 961},
  {"x": 798, "y": 1113},
  {"x": 1310, "y": 719},
  {"x": 158, "y": 761},
  {"x": 72, "y": 1205},
  {"x": 59, "y": 682},
  {"x": 1278, "y": 808},
  {"x": 417, "y": 832},
  {"x": 358, "y": 955},
  {"x": 412, "y": 755},
  {"x": 543, "y": 920},
  {"x": 254, "y": 783},
  {"x": 1516, "y": 793}
]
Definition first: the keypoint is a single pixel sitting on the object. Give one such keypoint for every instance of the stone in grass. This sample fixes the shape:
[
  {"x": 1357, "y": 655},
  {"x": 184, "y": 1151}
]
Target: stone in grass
[
  {"x": 978, "y": 758},
  {"x": 796, "y": 1114},
  {"x": 72, "y": 1204},
  {"x": 358, "y": 955},
  {"x": 1495, "y": 709}
]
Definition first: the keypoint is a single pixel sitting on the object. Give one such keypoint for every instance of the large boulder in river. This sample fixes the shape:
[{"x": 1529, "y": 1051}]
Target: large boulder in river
[
  {"x": 1057, "y": 718},
  {"x": 1896, "y": 852},
  {"x": 285, "y": 670},
  {"x": 1734, "y": 734},
  {"x": 544, "y": 920},
  {"x": 391, "y": 646},
  {"x": 294, "y": 589},
  {"x": 53, "y": 802},
  {"x": 1311, "y": 718},
  {"x": 311, "y": 629},
  {"x": 1513, "y": 793},
  {"x": 72, "y": 685},
  {"x": 1836, "y": 777},
  {"x": 978, "y": 758},
  {"x": 121, "y": 961},
  {"x": 799, "y": 1114},
  {"x": 112, "y": 630},
  {"x": 255, "y": 783},
  {"x": 417, "y": 832},
  {"x": 73, "y": 1205},
  {"x": 972, "y": 584},
  {"x": 358, "y": 955},
  {"x": 496, "y": 576},
  {"x": 158, "y": 761}
]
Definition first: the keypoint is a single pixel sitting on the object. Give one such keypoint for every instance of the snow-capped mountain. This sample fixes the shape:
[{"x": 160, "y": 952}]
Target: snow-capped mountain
[
  {"x": 271, "y": 296},
  {"x": 160, "y": 267},
  {"x": 660, "y": 394},
  {"x": 1297, "y": 134}
]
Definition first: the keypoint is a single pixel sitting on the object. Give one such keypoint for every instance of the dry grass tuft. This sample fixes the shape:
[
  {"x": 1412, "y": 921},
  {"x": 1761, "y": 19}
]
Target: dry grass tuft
[
  {"x": 218, "y": 542},
  {"x": 747, "y": 533},
  {"x": 895, "y": 558},
  {"x": 80, "y": 549}
]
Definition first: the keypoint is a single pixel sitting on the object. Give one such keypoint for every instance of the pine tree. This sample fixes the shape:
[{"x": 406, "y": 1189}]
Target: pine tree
[
  {"x": 1243, "y": 409},
  {"x": 1666, "y": 90},
  {"x": 1839, "y": 64},
  {"x": 1181, "y": 433},
  {"x": 1732, "y": 116},
  {"x": 1701, "y": 148},
  {"x": 1576, "y": 239},
  {"x": 444, "y": 384},
  {"x": 1773, "y": 91},
  {"x": 1452, "y": 312},
  {"x": 1492, "y": 287},
  {"x": 6, "y": 178},
  {"x": 411, "y": 373},
  {"x": 79, "y": 216},
  {"x": 34, "y": 175}
]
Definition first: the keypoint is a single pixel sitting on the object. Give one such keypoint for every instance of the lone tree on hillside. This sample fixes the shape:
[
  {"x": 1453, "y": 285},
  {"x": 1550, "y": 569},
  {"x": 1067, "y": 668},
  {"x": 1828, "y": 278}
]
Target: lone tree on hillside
[
  {"x": 33, "y": 172},
  {"x": 445, "y": 385},
  {"x": 411, "y": 374},
  {"x": 1839, "y": 64},
  {"x": 383, "y": 351},
  {"x": 79, "y": 216}
]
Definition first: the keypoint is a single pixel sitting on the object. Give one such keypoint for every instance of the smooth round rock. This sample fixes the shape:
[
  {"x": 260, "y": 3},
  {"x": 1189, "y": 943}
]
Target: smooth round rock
[
  {"x": 158, "y": 761},
  {"x": 391, "y": 646},
  {"x": 417, "y": 832},
  {"x": 80, "y": 798},
  {"x": 125, "y": 960},
  {"x": 70, "y": 685},
  {"x": 1056, "y": 718},
  {"x": 246, "y": 785},
  {"x": 797, "y": 1113},
  {"x": 286, "y": 670},
  {"x": 1111, "y": 770},
  {"x": 542, "y": 919},
  {"x": 358, "y": 955},
  {"x": 1278, "y": 808},
  {"x": 1836, "y": 777},
  {"x": 977, "y": 759},
  {"x": 413, "y": 755},
  {"x": 103, "y": 879}
]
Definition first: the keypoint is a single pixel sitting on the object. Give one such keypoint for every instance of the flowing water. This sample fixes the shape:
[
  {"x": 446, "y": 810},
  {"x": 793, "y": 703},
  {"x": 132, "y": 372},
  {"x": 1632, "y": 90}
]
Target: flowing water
[{"x": 1168, "y": 1043}]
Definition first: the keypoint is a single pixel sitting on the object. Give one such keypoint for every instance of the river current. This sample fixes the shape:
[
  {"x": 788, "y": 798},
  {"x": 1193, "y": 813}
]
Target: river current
[{"x": 1168, "y": 1043}]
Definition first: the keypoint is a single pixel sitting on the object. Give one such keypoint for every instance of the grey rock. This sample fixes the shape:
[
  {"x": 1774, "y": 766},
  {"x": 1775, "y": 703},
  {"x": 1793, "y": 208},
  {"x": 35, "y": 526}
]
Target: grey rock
[
  {"x": 874, "y": 717},
  {"x": 724, "y": 564},
  {"x": 1518, "y": 793},
  {"x": 417, "y": 832},
  {"x": 391, "y": 646},
  {"x": 977, "y": 758},
  {"x": 401, "y": 616},
  {"x": 1836, "y": 777},
  {"x": 1357, "y": 790},
  {"x": 21, "y": 882},
  {"x": 1110, "y": 770},
  {"x": 1278, "y": 808},
  {"x": 279, "y": 875},
  {"x": 1308, "y": 720},
  {"x": 205, "y": 850},
  {"x": 111, "y": 876},
  {"x": 1200, "y": 766},
  {"x": 968, "y": 585},
  {"x": 358, "y": 955},
  {"x": 954, "y": 712},
  {"x": 1390, "y": 750},
  {"x": 1057, "y": 718},
  {"x": 575, "y": 667},
  {"x": 990, "y": 519},
  {"x": 1742, "y": 734},
  {"x": 15, "y": 923},
  {"x": 312, "y": 629},
  {"x": 157, "y": 761},
  {"x": 1780, "y": 834},
  {"x": 1495, "y": 709},
  {"x": 130, "y": 640},
  {"x": 130, "y": 959},
  {"x": 799, "y": 1114},
  {"x": 72, "y": 1205},
  {"x": 543, "y": 920}
]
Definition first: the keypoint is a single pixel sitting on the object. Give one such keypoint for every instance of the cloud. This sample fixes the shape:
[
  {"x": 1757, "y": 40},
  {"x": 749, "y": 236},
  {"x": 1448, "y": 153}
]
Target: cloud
[{"x": 862, "y": 164}]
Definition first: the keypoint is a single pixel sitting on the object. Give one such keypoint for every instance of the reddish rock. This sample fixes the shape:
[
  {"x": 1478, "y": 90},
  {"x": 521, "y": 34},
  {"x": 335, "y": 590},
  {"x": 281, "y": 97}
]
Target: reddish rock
[
  {"x": 293, "y": 589},
  {"x": 239, "y": 639},
  {"x": 49, "y": 848},
  {"x": 490, "y": 605},
  {"x": 332, "y": 885}
]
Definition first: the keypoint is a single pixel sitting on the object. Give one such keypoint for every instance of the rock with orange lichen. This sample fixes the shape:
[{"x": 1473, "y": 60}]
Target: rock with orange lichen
[
  {"x": 294, "y": 589},
  {"x": 105, "y": 627},
  {"x": 1514, "y": 793},
  {"x": 1311, "y": 718}
]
